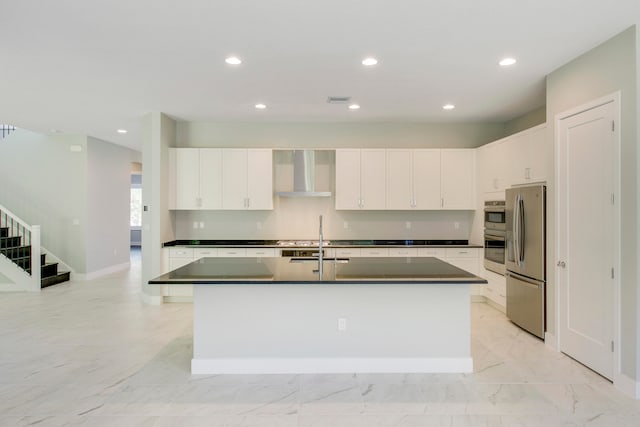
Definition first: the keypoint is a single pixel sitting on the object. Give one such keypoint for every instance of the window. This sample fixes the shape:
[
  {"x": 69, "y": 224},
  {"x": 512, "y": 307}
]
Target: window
[{"x": 136, "y": 207}]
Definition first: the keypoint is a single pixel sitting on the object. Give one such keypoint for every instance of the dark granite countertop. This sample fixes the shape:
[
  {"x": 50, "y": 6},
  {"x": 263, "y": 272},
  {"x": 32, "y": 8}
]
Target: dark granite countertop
[
  {"x": 425, "y": 270},
  {"x": 288, "y": 243}
]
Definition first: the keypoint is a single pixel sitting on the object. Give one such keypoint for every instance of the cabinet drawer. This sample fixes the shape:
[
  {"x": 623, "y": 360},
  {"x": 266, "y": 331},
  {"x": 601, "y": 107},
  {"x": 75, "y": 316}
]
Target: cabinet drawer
[
  {"x": 181, "y": 253},
  {"x": 348, "y": 252},
  {"x": 434, "y": 252},
  {"x": 381, "y": 252},
  {"x": 462, "y": 252},
  {"x": 261, "y": 252},
  {"x": 232, "y": 252},
  {"x": 403, "y": 252},
  {"x": 205, "y": 252}
]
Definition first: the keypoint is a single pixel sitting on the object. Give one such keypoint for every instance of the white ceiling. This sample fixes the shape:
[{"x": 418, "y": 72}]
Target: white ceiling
[{"x": 91, "y": 67}]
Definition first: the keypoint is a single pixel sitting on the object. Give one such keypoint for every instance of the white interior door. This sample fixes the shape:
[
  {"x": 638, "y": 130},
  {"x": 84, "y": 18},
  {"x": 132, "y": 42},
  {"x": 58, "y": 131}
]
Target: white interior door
[{"x": 586, "y": 236}]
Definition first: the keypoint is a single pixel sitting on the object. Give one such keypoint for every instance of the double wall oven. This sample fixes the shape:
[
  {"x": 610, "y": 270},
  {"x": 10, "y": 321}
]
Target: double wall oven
[{"x": 495, "y": 236}]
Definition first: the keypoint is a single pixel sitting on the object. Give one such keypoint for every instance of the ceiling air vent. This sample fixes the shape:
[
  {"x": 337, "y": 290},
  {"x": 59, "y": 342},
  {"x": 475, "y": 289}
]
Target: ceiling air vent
[{"x": 338, "y": 99}]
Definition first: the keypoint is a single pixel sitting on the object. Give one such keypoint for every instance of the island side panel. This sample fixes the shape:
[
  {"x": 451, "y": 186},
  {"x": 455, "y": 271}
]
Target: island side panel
[{"x": 293, "y": 328}]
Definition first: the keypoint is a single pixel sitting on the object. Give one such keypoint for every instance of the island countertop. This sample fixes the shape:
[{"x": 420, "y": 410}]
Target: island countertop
[{"x": 304, "y": 271}]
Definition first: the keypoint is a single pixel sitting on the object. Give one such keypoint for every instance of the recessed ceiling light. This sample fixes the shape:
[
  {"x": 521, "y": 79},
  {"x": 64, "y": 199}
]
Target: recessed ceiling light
[
  {"x": 261, "y": 106},
  {"x": 122, "y": 131},
  {"x": 507, "y": 61},
  {"x": 369, "y": 61},
  {"x": 233, "y": 60},
  {"x": 448, "y": 107},
  {"x": 354, "y": 106}
]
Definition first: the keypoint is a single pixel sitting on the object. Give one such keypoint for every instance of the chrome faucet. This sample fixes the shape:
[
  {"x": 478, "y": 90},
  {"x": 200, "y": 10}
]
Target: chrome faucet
[{"x": 320, "y": 255}]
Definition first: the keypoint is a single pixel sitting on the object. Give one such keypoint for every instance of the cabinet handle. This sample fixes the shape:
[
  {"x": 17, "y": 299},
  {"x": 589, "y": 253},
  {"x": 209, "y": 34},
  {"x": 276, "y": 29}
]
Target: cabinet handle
[
  {"x": 248, "y": 202},
  {"x": 442, "y": 202}
]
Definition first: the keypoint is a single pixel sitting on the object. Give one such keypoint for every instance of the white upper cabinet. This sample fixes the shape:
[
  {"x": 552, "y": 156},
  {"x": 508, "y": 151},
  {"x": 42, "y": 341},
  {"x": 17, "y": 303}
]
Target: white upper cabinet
[
  {"x": 515, "y": 160},
  {"x": 457, "y": 185},
  {"x": 400, "y": 179},
  {"x": 528, "y": 156},
  {"x": 210, "y": 178},
  {"x": 413, "y": 179},
  {"x": 360, "y": 179},
  {"x": 373, "y": 181},
  {"x": 247, "y": 179},
  {"x": 214, "y": 178},
  {"x": 195, "y": 178},
  {"x": 493, "y": 166},
  {"x": 348, "y": 179}
]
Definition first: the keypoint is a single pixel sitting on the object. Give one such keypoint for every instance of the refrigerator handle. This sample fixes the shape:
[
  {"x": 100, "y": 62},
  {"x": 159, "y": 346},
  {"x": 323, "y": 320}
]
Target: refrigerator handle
[
  {"x": 521, "y": 232},
  {"x": 516, "y": 229}
]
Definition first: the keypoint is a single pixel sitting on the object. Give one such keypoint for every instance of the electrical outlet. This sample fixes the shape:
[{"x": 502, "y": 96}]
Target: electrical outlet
[
  {"x": 201, "y": 224},
  {"x": 342, "y": 324},
  {"x": 456, "y": 225},
  {"x": 345, "y": 225},
  {"x": 195, "y": 224},
  {"x": 407, "y": 225},
  {"x": 259, "y": 225}
]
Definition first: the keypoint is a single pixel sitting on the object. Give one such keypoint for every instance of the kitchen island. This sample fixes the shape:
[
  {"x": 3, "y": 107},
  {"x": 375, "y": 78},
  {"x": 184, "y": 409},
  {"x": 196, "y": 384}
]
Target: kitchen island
[{"x": 275, "y": 315}]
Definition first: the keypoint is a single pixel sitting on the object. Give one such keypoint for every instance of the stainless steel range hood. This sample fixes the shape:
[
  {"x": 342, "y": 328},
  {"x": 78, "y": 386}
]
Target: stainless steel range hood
[{"x": 304, "y": 176}]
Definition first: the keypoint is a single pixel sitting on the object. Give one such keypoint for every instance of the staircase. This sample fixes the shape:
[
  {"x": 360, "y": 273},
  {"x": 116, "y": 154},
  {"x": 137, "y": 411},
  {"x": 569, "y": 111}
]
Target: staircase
[{"x": 14, "y": 247}]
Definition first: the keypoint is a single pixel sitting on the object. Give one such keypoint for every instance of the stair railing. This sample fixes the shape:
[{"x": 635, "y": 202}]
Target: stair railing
[
  {"x": 30, "y": 237},
  {"x": 6, "y": 130}
]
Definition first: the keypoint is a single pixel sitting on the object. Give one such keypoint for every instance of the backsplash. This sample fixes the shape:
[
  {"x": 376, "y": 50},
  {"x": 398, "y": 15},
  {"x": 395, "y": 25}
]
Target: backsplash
[{"x": 294, "y": 218}]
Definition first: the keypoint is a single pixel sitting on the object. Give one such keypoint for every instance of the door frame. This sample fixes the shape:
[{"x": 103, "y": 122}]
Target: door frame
[{"x": 614, "y": 98}]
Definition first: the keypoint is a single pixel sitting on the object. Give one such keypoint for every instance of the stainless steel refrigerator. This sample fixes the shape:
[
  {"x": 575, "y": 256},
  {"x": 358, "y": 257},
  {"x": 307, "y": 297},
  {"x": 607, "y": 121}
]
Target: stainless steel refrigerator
[{"x": 526, "y": 257}]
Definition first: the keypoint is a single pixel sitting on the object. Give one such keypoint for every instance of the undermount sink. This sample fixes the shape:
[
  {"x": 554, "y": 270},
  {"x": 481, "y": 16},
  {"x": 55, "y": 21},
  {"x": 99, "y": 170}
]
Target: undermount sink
[{"x": 315, "y": 259}]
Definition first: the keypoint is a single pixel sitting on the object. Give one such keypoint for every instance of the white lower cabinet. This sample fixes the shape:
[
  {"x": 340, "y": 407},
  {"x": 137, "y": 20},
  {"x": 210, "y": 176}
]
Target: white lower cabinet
[
  {"x": 400, "y": 252},
  {"x": 496, "y": 289},
  {"x": 232, "y": 252},
  {"x": 467, "y": 259},
  {"x": 177, "y": 257},
  {"x": 375, "y": 252}
]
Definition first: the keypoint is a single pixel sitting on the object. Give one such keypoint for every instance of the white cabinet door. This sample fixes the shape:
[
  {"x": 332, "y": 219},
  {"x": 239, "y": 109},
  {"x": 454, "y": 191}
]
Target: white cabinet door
[
  {"x": 232, "y": 252},
  {"x": 234, "y": 179},
  {"x": 536, "y": 168},
  {"x": 186, "y": 172},
  {"x": 426, "y": 171},
  {"x": 196, "y": 181},
  {"x": 347, "y": 179},
  {"x": 259, "y": 179},
  {"x": 400, "y": 179},
  {"x": 373, "y": 181},
  {"x": 458, "y": 179},
  {"x": 402, "y": 252},
  {"x": 413, "y": 179},
  {"x": 432, "y": 252},
  {"x": 210, "y": 167}
]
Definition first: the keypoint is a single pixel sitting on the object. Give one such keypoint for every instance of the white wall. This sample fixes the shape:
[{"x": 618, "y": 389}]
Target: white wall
[
  {"x": 157, "y": 221},
  {"x": 75, "y": 196},
  {"x": 43, "y": 182},
  {"x": 108, "y": 198},
  {"x": 605, "y": 69},
  {"x": 336, "y": 135}
]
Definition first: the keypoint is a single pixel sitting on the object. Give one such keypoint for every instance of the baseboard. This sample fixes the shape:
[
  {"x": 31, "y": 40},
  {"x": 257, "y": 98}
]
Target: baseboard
[
  {"x": 551, "y": 341},
  {"x": 172, "y": 299},
  {"x": 478, "y": 298},
  {"x": 331, "y": 365},
  {"x": 151, "y": 299},
  {"x": 495, "y": 305},
  {"x": 627, "y": 385},
  {"x": 101, "y": 273}
]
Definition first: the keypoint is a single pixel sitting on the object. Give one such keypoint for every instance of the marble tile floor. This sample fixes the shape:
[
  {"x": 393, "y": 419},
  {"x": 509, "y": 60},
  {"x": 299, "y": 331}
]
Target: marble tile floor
[{"x": 92, "y": 354}]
